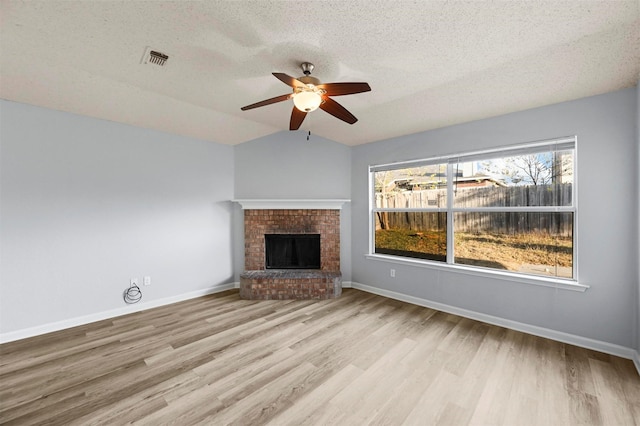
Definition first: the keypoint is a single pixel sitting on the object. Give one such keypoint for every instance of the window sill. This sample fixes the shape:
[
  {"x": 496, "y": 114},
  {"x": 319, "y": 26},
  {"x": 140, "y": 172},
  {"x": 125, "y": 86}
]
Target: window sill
[{"x": 500, "y": 275}]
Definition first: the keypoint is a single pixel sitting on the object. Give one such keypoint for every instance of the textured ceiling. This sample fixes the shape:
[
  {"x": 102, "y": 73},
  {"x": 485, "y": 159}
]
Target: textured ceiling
[{"x": 429, "y": 63}]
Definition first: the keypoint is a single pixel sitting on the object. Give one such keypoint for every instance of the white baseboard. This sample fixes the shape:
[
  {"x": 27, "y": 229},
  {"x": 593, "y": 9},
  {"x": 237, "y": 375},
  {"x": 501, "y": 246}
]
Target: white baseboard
[
  {"x": 584, "y": 342},
  {"x": 112, "y": 313}
]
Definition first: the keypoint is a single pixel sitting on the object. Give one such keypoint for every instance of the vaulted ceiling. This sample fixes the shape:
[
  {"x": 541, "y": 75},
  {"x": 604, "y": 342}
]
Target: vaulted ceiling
[{"x": 429, "y": 63}]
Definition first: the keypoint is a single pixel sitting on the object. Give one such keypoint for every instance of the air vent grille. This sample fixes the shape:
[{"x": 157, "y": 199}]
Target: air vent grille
[
  {"x": 154, "y": 57},
  {"x": 157, "y": 58}
]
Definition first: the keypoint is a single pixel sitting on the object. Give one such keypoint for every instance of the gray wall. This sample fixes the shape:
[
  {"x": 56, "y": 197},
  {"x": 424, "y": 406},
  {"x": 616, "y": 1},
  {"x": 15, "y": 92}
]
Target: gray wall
[
  {"x": 88, "y": 204},
  {"x": 608, "y": 194},
  {"x": 287, "y": 166},
  {"x": 638, "y": 220}
]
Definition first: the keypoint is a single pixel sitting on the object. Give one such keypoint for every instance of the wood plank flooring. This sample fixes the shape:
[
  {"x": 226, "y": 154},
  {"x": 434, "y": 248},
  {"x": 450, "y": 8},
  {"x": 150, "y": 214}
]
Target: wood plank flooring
[{"x": 358, "y": 360}]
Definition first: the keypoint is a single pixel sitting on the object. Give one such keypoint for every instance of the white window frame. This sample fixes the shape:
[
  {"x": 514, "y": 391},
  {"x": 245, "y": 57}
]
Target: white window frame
[{"x": 563, "y": 143}]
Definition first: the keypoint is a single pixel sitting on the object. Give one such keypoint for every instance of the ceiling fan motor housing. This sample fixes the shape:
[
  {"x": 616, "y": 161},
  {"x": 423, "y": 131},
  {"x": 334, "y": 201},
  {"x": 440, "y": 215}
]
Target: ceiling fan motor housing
[{"x": 307, "y": 79}]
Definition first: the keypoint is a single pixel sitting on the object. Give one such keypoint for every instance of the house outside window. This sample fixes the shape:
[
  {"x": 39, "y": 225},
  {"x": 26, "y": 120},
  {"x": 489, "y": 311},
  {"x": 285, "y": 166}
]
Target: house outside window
[{"x": 511, "y": 209}]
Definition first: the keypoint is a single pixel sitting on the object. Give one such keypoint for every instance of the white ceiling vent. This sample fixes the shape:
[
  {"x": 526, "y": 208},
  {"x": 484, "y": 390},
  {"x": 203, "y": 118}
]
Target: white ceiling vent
[{"x": 153, "y": 57}]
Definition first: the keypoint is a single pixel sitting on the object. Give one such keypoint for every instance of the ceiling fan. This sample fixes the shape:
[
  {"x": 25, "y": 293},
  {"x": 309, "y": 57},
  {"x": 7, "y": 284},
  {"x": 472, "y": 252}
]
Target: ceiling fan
[{"x": 309, "y": 94}]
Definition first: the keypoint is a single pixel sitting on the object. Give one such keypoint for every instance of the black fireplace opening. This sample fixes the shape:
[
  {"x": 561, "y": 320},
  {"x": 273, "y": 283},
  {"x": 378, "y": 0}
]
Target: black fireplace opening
[{"x": 292, "y": 251}]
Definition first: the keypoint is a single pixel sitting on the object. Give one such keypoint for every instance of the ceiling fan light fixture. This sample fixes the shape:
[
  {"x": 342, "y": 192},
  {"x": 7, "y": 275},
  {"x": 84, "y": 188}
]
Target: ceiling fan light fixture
[{"x": 307, "y": 100}]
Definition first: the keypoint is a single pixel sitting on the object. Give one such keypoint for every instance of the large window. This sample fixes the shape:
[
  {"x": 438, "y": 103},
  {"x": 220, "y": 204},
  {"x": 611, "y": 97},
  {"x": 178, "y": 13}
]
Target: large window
[{"x": 511, "y": 209}]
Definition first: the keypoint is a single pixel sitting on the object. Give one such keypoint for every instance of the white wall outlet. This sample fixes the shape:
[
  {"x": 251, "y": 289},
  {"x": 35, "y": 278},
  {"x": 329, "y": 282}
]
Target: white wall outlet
[
  {"x": 134, "y": 281},
  {"x": 392, "y": 272},
  {"x": 147, "y": 280}
]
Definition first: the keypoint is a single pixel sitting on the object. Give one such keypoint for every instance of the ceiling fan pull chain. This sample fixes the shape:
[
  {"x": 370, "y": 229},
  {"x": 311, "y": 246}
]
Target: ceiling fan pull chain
[{"x": 309, "y": 135}]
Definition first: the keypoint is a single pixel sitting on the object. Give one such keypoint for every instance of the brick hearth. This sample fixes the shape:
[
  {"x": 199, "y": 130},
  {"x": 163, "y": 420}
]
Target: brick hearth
[
  {"x": 258, "y": 283},
  {"x": 295, "y": 284}
]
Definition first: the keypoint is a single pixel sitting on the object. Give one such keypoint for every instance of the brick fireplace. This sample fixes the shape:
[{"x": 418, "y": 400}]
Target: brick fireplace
[{"x": 291, "y": 217}]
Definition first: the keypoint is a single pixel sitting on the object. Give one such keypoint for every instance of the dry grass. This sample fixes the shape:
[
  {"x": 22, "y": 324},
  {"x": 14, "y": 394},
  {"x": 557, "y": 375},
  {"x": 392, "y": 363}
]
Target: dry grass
[
  {"x": 494, "y": 250},
  {"x": 512, "y": 251},
  {"x": 426, "y": 245}
]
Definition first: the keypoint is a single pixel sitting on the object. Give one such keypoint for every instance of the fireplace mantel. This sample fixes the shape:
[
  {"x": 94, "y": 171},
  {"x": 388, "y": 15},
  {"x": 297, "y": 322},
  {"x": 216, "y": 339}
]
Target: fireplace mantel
[{"x": 297, "y": 204}]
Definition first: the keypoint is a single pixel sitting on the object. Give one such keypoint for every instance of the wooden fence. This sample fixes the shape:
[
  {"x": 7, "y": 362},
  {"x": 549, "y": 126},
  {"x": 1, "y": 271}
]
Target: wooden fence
[{"x": 559, "y": 224}]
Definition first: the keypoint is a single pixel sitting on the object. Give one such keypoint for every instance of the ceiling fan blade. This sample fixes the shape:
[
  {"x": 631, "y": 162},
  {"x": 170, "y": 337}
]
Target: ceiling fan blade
[
  {"x": 297, "y": 117},
  {"x": 267, "y": 102},
  {"x": 338, "y": 89},
  {"x": 337, "y": 110},
  {"x": 288, "y": 80}
]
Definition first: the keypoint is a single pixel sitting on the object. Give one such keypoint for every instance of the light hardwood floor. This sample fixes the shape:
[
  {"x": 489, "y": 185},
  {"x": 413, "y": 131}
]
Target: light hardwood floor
[{"x": 360, "y": 359}]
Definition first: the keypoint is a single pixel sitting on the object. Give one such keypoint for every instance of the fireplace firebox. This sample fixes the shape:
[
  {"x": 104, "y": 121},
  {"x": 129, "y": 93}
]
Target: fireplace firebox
[{"x": 292, "y": 251}]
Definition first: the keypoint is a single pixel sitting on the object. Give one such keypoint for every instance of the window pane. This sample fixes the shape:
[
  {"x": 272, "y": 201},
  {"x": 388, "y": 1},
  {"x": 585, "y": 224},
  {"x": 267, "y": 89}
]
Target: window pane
[
  {"x": 415, "y": 187},
  {"x": 538, "y": 179},
  {"x": 421, "y": 235},
  {"x": 530, "y": 243}
]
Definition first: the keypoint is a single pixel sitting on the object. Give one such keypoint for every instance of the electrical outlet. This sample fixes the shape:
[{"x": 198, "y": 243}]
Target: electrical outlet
[
  {"x": 392, "y": 272},
  {"x": 147, "y": 280},
  {"x": 134, "y": 281}
]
